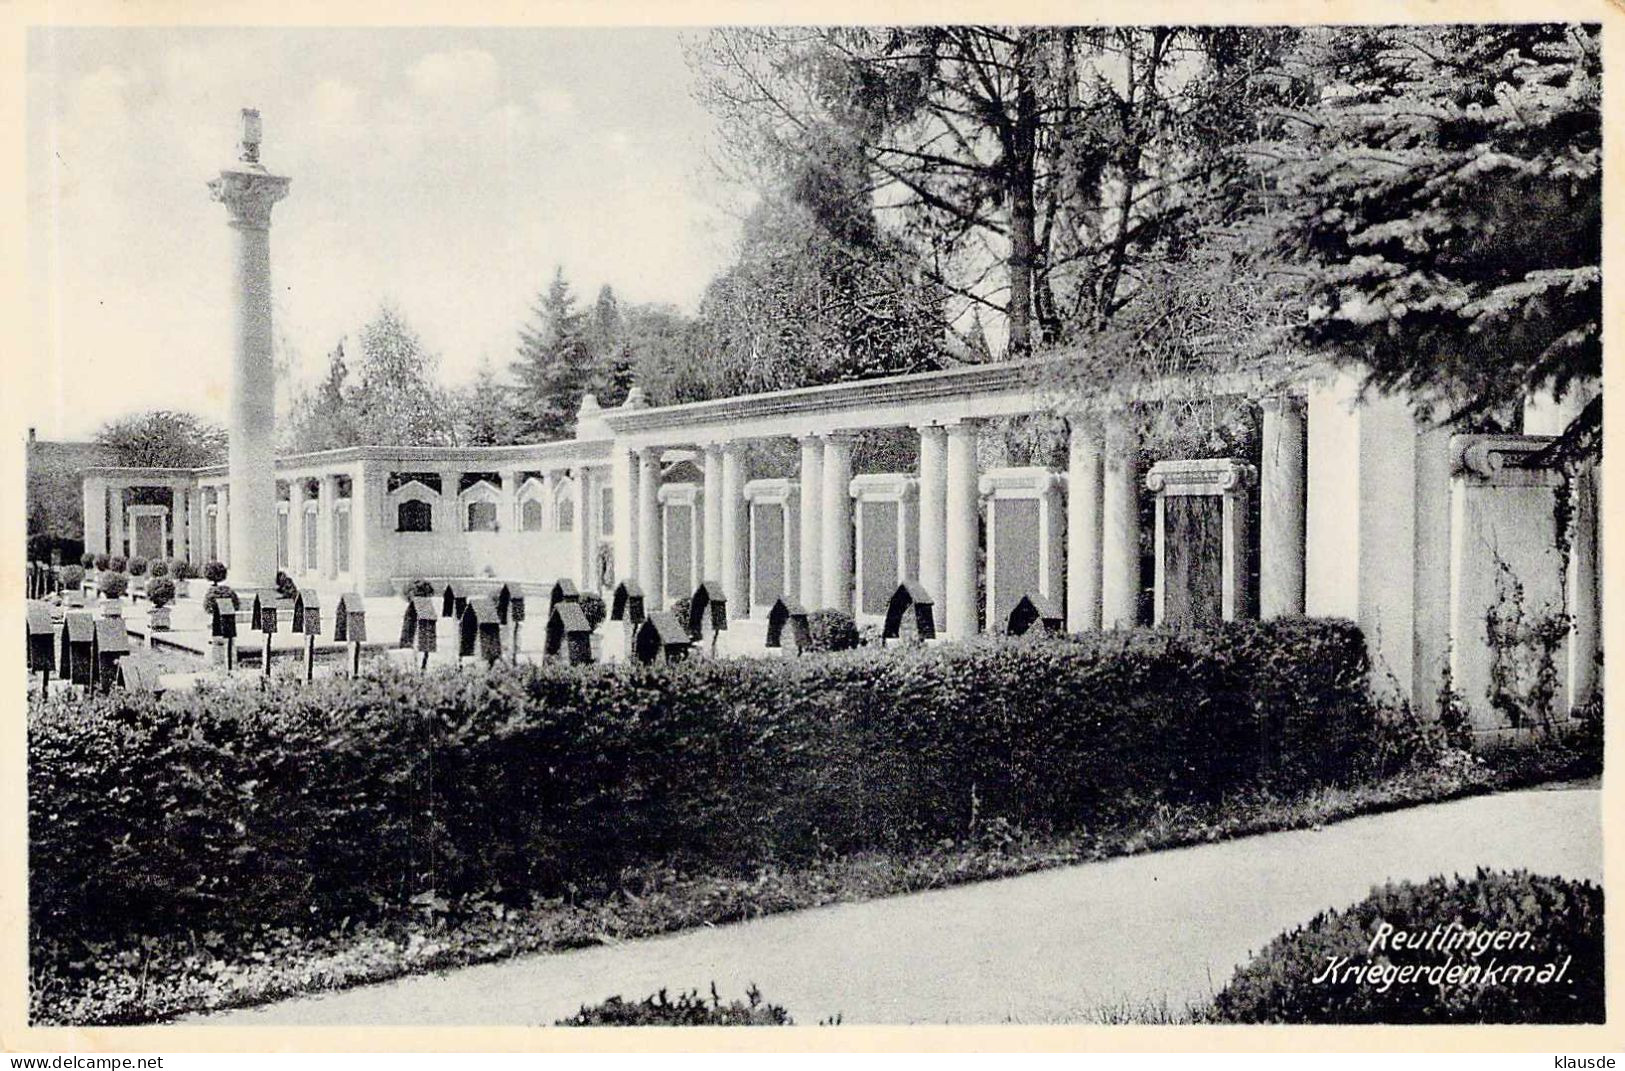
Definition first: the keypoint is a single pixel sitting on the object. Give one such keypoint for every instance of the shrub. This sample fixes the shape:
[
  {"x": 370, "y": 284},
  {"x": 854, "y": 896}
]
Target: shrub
[
  {"x": 158, "y": 568},
  {"x": 214, "y": 572},
  {"x": 689, "y": 1009},
  {"x": 72, "y": 577},
  {"x": 112, "y": 585},
  {"x": 161, "y": 590},
  {"x": 418, "y": 589},
  {"x": 138, "y": 566},
  {"x": 285, "y": 586},
  {"x": 831, "y": 630},
  {"x": 1562, "y": 919},
  {"x": 102, "y": 562},
  {"x": 679, "y": 610},
  {"x": 215, "y": 592},
  {"x": 117, "y": 563},
  {"x": 363, "y": 793},
  {"x": 87, "y": 560},
  {"x": 593, "y": 609},
  {"x": 185, "y": 570}
]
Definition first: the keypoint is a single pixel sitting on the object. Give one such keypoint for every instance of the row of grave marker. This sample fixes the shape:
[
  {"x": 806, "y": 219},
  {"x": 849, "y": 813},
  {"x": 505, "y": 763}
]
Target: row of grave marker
[{"x": 87, "y": 652}]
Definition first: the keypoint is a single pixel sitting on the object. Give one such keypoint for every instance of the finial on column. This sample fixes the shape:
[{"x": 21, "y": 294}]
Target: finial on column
[{"x": 252, "y": 134}]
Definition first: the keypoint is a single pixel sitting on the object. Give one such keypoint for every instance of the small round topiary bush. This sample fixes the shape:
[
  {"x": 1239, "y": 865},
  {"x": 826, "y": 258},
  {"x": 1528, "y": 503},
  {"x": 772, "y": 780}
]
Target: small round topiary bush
[
  {"x": 87, "y": 560},
  {"x": 138, "y": 566},
  {"x": 184, "y": 570},
  {"x": 161, "y": 590},
  {"x": 285, "y": 587},
  {"x": 418, "y": 588},
  {"x": 112, "y": 585},
  {"x": 1500, "y": 947},
  {"x": 217, "y": 591},
  {"x": 214, "y": 572},
  {"x": 118, "y": 563},
  {"x": 158, "y": 568},
  {"x": 593, "y": 609},
  {"x": 72, "y": 577},
  {"x": 102, "y": 562},
  {"x": 831, "y": 630}
]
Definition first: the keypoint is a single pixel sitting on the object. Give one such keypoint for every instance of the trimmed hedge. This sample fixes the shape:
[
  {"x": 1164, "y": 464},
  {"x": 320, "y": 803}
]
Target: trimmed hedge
[
  {"x": 112, "y": 585},
  {"x": 1561, "y": 919},
  {"x": 309, "y": 803},
  {"x": 214, "y": 571}
]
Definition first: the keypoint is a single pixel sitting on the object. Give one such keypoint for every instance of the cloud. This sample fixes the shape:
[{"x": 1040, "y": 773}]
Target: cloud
[
  {"x": 334, "y": 104},
  {"x": 555, "y": 103},
  {"x": 467, "y": 77}
]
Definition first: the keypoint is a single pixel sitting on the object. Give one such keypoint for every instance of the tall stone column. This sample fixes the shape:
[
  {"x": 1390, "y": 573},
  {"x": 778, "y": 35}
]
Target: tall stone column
[
  {"x": 1584, "y": 591},
  {"x": 1120, "y": 528},
  {"x": 1085, "y": 452},
  {"x": 934, "y": 517},
  {"x": 812, "y": 522},
  {"x": 248, "y": 191},
  {"x": 1281, "y": 505},
  {"x": 711, "y": 499},
  {"x": 836, "y": 537},
  {"x": 448, "y": 514},
  {"x": 94, "y": 490},
  {"x": 960, "y": 508},
  {"x": 649, "y": 564},
  {"x": 735, "y": 557},
  {"x": 195, "y": 541}
]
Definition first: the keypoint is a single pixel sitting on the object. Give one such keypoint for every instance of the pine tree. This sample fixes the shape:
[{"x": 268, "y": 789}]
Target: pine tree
[
  {"x": 485, "y": 414},
  {"x": 1443, "y": 187},
  {"x": 555, "y": 365}
]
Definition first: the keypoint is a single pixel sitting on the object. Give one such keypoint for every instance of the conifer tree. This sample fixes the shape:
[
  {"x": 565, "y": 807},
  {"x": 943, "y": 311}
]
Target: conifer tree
[{"x": 555, "y": 365}]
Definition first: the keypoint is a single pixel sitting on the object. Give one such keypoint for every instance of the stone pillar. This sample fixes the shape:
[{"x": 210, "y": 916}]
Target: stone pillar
[
  {"x": 735, "y": 556},
  {"x": 1584, "y": 592},
  {"x": 1281, "y": 504},
  {"x": 222, "y": 513},
  {"x": 836, "y": 530},
  {"x": 649, "y": 570},
  {"x": 960, "y": 499},
  {"x": 586, "y": 560},
  {"x": 811, "y": 589},
  {"x": 1120, "y": 528},
  {"x": 327, "y": 502},
  {"x": 623, "y": 489},
  {"x": 711, "y": 500},
  {"x": 934, "y": 517},
  {"x": 177, "y": 521},
  {"x": 448, "y": 514},
  {"x": 195, "y": 541},
  {"x": 369, "y": 559},
  {"x": 94, "y": 490},
  {"x": 1085, "y": 450},
  {"x": 248, "y": 191},
  {"x": 116, "y": 496},
  {"x": 296, "y": 526}
]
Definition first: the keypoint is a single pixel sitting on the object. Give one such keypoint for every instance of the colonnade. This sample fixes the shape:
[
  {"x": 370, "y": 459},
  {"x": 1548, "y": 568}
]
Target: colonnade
[{"x": 1103, "y": 519}]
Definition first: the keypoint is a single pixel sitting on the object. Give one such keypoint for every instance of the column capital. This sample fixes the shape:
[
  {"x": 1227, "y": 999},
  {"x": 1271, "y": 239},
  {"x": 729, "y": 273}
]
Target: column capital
[
  {"x": 1282, "y": 403},
  {"x": 248, "y": 194}
]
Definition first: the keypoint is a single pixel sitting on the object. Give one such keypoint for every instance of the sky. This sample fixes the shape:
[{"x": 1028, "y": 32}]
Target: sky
[{"x": 446, "y": 171}]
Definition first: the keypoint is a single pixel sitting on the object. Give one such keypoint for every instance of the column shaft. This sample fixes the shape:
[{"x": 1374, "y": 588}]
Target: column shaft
[
  {"x": 836, "y": 530},
  {"x": 934, "y": 517},
  {"x": 735, "y": 551},
  {"x": 586, "y": 558},
  {"x": 623, "y": 490},
  {"x": 1120, "y": 529},
  {"x": 960, "y": 544},
  {"x": 1281, "y": 509},
  {"x": 711, "y": 500},
  {"x": 1083, "y": 532},
  {"x": 116, "y": 497},
  {"x": 94, "y": 490},
  {"x": 812, "y": 522},
  {"x": 252, "y": 452},
  {"x": 296, "y": 526},
  {"x": 649, "y": 564}
]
